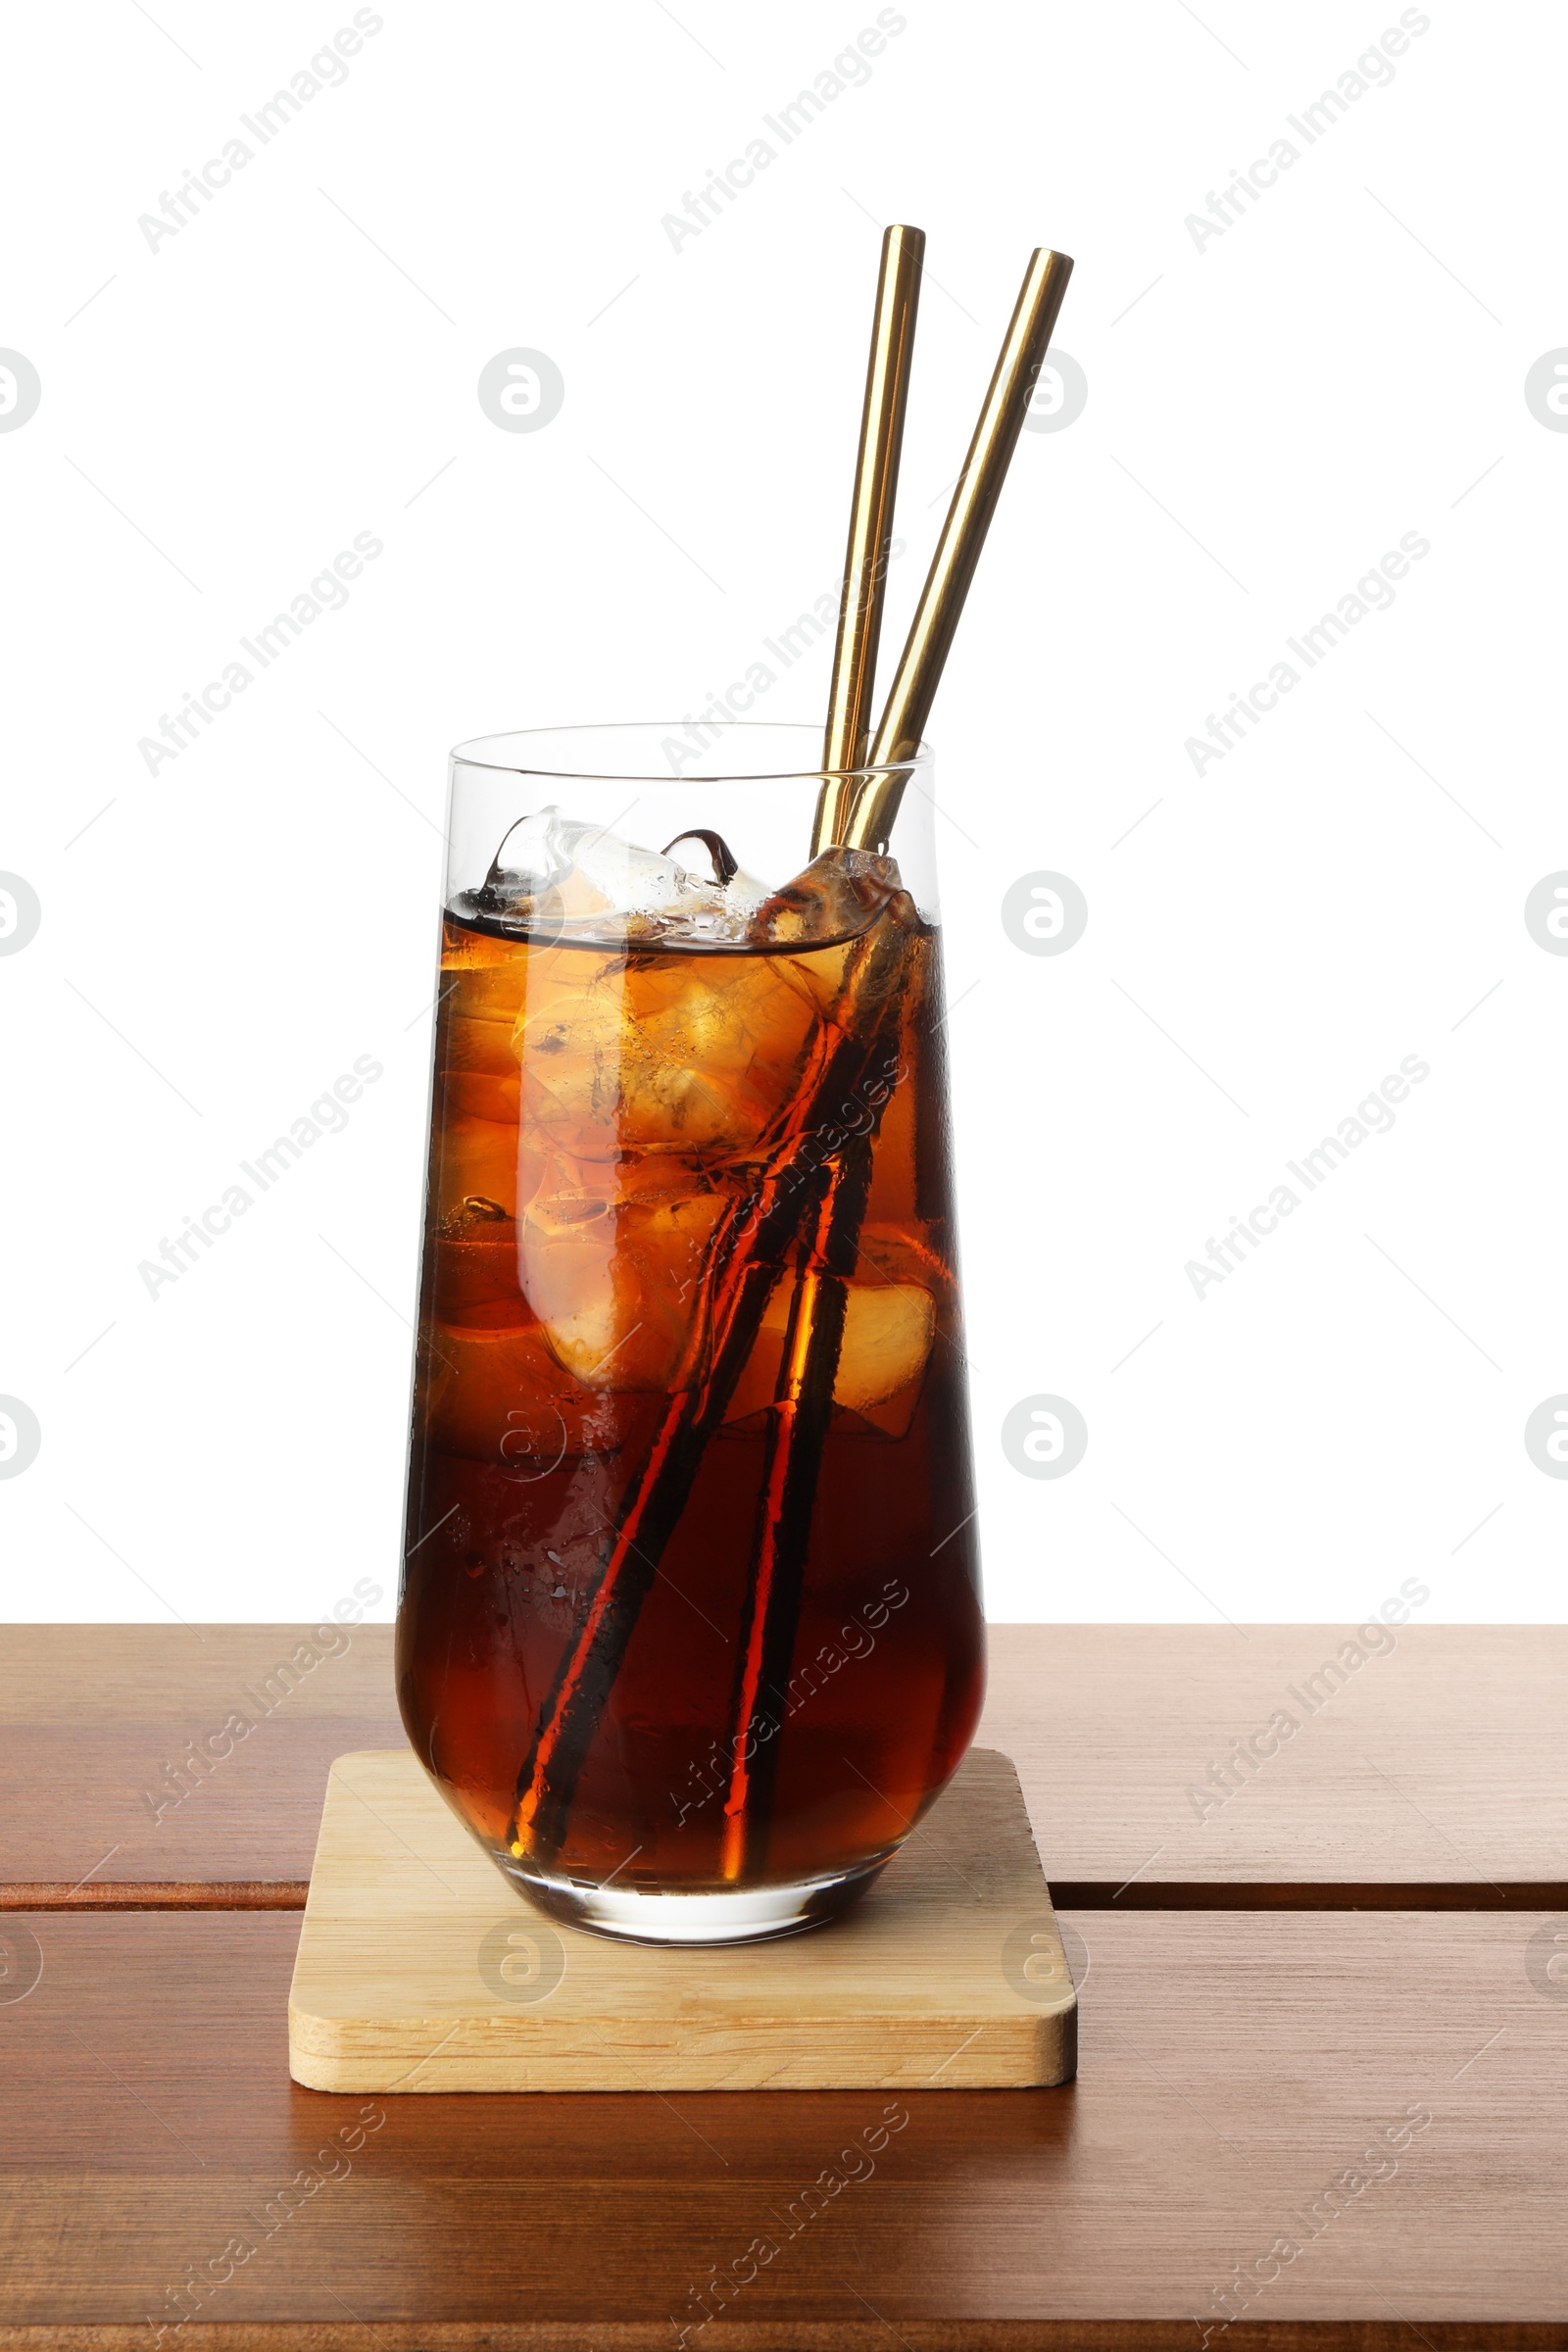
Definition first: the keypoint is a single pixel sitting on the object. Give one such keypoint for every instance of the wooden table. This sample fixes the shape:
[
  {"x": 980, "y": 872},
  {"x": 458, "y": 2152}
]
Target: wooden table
[{"x": 1324, "y": 2080}]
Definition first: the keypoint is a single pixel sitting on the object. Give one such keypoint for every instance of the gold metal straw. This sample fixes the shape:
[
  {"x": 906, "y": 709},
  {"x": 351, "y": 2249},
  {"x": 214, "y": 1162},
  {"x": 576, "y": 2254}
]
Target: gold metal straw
[
  {"x": 963, "y": 534},
  {"x": 865, "y": 562}
]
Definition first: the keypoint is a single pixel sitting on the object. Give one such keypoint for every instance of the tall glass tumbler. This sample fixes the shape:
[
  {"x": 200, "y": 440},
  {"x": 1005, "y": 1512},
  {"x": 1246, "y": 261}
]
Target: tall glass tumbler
[{"x": 690, "y": 1631}]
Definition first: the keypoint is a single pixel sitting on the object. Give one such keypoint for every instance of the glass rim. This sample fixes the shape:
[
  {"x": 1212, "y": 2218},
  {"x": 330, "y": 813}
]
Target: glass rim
[{"x": 464, "y": 753}]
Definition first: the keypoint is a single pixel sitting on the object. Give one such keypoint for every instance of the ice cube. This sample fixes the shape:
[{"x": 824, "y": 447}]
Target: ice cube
[
  {"x": 553, "y": 875},
  {"x": 475, "y": 1274},
  {"x": 614, "y": 1282},
  {"x": 477, "y": 1161},
  {"x": 838, "y": 896},
  {"x": 888, "y": 1330},
  {"x": 661, "y": 1053},
  {"x": 651, "y": 898},
  {"x": 631, "y": 880},
  {"x": 481, "y": 984}
]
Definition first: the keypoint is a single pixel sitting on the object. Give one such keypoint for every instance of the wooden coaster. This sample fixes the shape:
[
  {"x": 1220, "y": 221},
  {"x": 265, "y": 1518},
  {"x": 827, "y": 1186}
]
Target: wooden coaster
[{"x": 420, "y": 1968}]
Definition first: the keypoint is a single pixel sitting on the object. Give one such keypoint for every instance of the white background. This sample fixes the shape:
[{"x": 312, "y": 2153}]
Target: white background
[{"x": 1266, "y": 416}]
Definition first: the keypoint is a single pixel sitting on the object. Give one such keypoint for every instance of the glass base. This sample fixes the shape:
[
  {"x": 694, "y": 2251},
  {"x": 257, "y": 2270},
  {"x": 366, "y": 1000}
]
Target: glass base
[{"x": 720, "y": 1915}]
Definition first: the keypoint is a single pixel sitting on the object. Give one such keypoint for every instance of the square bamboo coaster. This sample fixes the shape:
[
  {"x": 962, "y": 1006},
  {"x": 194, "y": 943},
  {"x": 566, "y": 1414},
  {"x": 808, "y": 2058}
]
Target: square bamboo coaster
[{"x": 419, "y": 1969}]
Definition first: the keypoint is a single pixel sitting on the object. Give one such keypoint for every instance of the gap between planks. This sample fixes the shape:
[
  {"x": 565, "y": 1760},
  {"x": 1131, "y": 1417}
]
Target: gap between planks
[{"x": 1067, "y": 1894}]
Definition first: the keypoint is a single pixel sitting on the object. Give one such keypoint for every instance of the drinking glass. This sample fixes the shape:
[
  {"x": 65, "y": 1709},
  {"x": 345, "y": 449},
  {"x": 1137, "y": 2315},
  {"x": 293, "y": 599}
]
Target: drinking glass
[{"x": 689, "y": 1634}]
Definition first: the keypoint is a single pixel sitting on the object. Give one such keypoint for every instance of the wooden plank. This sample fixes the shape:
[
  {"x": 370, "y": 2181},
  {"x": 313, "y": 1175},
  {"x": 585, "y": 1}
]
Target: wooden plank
[
  {"x": 1440, "y": 1767},
  {"x": 1441, "y": 1762},
  {"x": 1235, "y": 2071},
  {"x": 103, "y": 1729},
  {"x": 419, "y": 1969}
]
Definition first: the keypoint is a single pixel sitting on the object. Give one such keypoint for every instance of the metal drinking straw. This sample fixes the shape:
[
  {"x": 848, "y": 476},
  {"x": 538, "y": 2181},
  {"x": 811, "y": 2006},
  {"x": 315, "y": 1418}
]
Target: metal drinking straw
[
  {"x": 866, "y": 562},
  {"x": 963, "y": 535}
]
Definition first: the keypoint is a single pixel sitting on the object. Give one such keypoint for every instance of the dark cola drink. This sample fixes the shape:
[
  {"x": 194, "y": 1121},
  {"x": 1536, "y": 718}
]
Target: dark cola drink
[{"x": 690, "y": 1633}]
